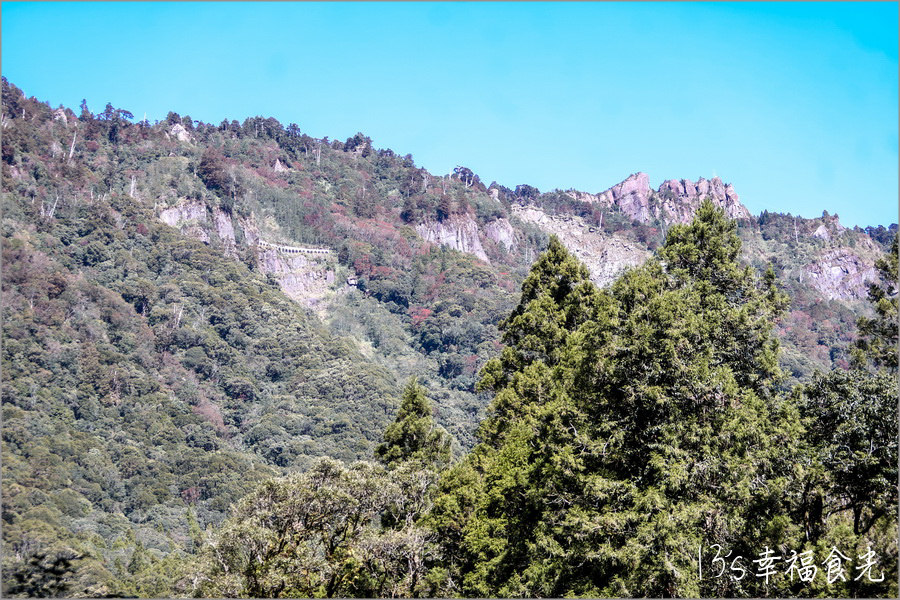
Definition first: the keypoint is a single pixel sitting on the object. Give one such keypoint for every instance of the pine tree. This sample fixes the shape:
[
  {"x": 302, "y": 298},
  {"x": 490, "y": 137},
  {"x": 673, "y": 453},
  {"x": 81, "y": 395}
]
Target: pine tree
[{"x": 557, "y": 298}]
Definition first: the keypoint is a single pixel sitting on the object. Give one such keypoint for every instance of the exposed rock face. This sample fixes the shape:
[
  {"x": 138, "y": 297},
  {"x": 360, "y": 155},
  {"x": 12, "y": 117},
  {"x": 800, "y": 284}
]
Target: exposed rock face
[
  {"x": 191, "y": 210},
  {"x": 840, "y": 274},
  {"x": 501, "y": 232},
  {"x": 829, "y": 228},
  {"x": 193, "y": 219},
  {"x": 189, "y": 217},
  {"x": 457, "y": 232},
  {"x": 278, "y": 167},
  {"x": 250, "y": 229},
  {"x": 675, "y": 201},
  {"x": 225, "y": 229},
  {"x": 681, "y": 198},
  {"x": 821, "y": 232},
  {"x": 181, "y": 134},
  {"x": 585, "y": 197},
  {"x": 632, "y": 196},
  {"x": 60, "y": 115},
  {"x": 605, "y": 256},
  {"x": 301, "y": 277}
]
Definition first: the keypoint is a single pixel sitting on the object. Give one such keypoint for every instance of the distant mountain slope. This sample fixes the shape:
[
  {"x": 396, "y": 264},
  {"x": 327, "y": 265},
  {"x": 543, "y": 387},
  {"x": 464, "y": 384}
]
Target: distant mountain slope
[{"x": 190, "y": 307}]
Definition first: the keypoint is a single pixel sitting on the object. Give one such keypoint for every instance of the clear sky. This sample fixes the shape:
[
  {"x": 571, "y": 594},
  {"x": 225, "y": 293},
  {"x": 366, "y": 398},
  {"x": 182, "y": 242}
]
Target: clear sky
[{"x": 796, "y": 104}]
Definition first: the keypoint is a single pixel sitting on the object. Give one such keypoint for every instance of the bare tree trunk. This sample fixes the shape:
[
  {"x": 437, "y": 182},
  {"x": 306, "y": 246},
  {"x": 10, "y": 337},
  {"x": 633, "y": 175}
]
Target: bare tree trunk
[
  {"x": 72, "y": 149},
  {"x": 131, "y": 191},
  {"x": 49, "y": 213}
]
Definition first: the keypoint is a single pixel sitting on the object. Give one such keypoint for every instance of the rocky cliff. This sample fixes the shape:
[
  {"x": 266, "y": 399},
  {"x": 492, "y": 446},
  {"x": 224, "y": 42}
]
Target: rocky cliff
[
  {"x": 304, "y": 278},
  {"x": 675, "y": 201},
  {"x": 839, "y": 265},
  {"x": 606, "y": 256},
  {"x": 841, "y": 274},
  {"x": 680, "y": 198},
  {"x": 501, "y": 231},
  {"x": 632, "y": 197},
  {"x": 459, "y": 232}
]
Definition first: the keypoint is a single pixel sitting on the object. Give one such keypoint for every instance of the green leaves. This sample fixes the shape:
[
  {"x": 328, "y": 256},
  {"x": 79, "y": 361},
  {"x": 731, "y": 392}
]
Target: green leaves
[
  {"x": 850, "y": 486},
  {"x": 878, "y": 341},
  {"x": 414, "y": 436},
  {"x": 317, "y": 534},
  {"x": 628, "y": 427}
]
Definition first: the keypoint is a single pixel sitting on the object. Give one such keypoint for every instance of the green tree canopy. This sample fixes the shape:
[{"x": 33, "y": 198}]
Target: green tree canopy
[
  {"x": 315, "y": 535},
  {"x": 638, "y": 424},
  {"x": 878, "y": 335},
  {"x": 414, "y": 435},
  {"x": 851, "y": 453}
]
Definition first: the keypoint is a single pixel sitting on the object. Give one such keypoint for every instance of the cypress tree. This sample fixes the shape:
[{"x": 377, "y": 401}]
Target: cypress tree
[
  {"x": 849, "y": 486},
  {"x": 414, "y": 435},
  {"x": 631, "y": 428}
]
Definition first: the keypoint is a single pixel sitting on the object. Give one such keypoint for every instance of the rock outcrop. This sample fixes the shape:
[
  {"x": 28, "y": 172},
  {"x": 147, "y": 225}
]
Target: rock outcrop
[
  {"x": 190, "y": 210},
  {"x": 675, "y": 201},
  {"x": 197, "y": 220},
  {"x": 501, "y": 232},
  {"x": 225, "y": 229},
  {"x": 632, "y": 196},
  {"x": 605, "y": 256},
  {"x": 822, "y": 233},
  {"x": 840, "y": 274},
  {"x": 829, "y": 228},
  {"x": 680, "y": 199},
  {"x": 459, "y": 232},
  {"x": 190, "y": 217},
  {"x": 302, "y": 278},
  {"x": 181, "y": 134}
]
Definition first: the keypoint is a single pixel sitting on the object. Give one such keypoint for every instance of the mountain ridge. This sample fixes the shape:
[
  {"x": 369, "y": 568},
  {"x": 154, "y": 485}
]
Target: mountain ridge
[{"x": 158, "y": 322}]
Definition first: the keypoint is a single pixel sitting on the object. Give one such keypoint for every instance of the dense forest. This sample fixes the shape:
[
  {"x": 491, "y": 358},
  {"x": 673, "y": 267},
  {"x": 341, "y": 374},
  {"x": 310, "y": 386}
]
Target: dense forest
[{"x": 186, "y": 415}]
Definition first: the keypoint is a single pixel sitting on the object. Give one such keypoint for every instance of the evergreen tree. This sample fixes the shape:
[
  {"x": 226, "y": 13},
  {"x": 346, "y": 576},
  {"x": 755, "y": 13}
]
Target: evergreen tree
[
  {"x": 878, "y": 336},
  {"x": 629, "y": 429},
  {"x": 557, "y": 298},
  {"x": 414, "y": 435},
  {"x": 850, "y": 492}
]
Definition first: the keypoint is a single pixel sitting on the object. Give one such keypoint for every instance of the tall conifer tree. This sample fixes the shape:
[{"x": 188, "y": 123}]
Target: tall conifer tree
[{"x": 631, "y": 427}]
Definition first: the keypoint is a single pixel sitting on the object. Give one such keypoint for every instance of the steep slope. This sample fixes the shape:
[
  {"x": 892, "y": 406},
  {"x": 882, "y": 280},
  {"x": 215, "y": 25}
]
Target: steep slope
[
  {"x": 149, "y": 380},
  {"x": 191, "y": 307},
  {"x": 825, "y": 267}
]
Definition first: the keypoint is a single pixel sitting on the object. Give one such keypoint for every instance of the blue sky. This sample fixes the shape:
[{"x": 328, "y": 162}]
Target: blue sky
[{"x": 796, "y": 104}]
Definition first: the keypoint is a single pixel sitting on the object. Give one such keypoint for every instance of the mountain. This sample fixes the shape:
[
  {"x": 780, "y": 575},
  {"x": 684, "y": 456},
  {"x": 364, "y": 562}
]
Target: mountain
[{"x": 190, "y": 308}]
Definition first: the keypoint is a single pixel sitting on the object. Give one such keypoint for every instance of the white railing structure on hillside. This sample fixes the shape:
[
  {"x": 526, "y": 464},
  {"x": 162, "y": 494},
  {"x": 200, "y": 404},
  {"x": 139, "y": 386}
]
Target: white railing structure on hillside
[{"x": 293, "y": 249}]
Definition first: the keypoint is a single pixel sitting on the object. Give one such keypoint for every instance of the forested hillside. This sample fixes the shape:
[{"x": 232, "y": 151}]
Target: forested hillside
[
  {"x": 192, "y": 311},
  {"x": 635, "y": 436}
]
